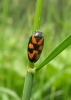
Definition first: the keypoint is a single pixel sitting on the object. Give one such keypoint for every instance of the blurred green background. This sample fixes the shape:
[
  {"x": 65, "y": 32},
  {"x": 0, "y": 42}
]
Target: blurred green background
[{"x": 53, "y": 82}]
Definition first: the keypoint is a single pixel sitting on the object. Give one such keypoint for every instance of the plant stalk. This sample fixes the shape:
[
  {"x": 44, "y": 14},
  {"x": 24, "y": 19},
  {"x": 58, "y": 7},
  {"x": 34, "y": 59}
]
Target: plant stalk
[
  {"x": 27, "y": 86},
  {"x": 29, "y": 76}
]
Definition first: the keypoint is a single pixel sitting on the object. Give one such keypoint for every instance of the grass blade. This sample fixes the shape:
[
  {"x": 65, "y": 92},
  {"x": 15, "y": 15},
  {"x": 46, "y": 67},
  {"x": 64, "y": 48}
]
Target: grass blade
[
  {"x": 9, "y": 92},
  {"x": 55, "y": 52}
]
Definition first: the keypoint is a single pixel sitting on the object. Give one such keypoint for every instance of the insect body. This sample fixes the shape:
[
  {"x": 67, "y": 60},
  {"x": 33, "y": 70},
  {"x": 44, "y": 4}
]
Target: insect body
[{"x": 35, "y": 46}]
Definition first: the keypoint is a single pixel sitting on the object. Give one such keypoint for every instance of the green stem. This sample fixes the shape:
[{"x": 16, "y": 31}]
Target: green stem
[
  {"x": 5, "y": 11},
  {"x": 38, "y": 13},
  {"x": 28, "y": 83},
  {"x": 29, "y": 76},
  {"x": 27, "y": 86}
]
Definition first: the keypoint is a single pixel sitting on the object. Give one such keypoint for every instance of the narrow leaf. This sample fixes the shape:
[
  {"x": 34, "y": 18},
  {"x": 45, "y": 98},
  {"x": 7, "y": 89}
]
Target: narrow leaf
[{"x": 55, "y": 52}]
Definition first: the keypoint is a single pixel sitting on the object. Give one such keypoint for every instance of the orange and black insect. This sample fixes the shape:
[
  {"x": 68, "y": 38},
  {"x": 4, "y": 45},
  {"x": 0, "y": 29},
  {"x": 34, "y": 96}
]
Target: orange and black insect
[{"x": 35, "y": 46}]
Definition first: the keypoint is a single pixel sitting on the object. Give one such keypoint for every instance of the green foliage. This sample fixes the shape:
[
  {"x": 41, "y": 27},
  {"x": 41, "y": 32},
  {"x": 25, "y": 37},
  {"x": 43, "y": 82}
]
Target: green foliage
[
  {"x": 56, "y": 51},
  {"x": 16, "y": 19}
]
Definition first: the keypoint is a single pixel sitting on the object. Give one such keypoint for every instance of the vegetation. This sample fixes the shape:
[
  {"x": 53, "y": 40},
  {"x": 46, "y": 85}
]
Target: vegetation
[{"x": 52, "y": 82}]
